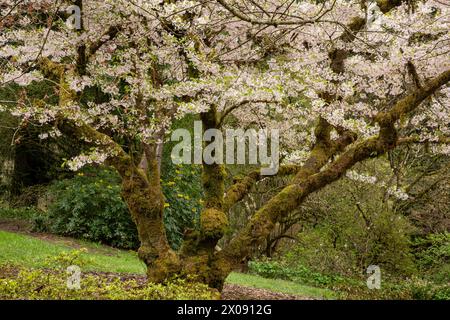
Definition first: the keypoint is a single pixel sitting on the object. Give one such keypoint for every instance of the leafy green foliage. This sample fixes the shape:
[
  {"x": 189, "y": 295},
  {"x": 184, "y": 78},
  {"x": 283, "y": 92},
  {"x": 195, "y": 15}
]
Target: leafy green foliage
[
  {"x": 90, "y": 207},
  {"x": 352, "y": 224},
  {"x": 183, "y": 202},
  {"x": 433, "y": 256},
  {"x": 343, "y": 245},
  {"x": 409, "y": 289},
  {"x": 183, "y": 191},
  {"x": 68, "y": 258},
  {"x": 348, "y": 288},
  {"x": 36, "y": 284}
]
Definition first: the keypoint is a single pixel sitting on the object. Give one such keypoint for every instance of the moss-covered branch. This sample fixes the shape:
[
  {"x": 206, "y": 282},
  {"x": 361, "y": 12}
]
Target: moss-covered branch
[
  {"x": 263, "y": 221},
  {"x": 321, "y": 153},
  {"x": 416, "y": 139},
  {"x": 411, "y": 101},
  {"x": 242, "y": 187}
]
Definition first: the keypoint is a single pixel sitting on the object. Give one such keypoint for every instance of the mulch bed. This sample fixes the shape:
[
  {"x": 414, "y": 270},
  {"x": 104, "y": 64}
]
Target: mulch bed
[
  {"x": 13, "y": 225},
  {"x": 237, "y": 292}
]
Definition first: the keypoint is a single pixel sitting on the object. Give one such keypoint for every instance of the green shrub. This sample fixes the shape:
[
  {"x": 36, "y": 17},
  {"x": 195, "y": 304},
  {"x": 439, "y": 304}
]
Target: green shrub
[
  {"x": 182, "y": 191},
  {"x": 90, "y": 207},
  {"x": 432, "y": 255},
  {"x": 410, "y": 289},
  {"x": 67, "y": 258},
  {"x": 34, "y": 284},
  {"x": 182, "y": 188},
  {"x": 347, "y": 288}
]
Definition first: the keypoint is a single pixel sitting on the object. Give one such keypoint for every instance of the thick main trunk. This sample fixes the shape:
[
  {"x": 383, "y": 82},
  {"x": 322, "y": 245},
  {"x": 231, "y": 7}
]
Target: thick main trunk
[
  {"x": 146, "y": 203},
  {"x": 142, "y": 192},
  {"x": 199, "y": 254},
  {"x": 143, "y": 195}
]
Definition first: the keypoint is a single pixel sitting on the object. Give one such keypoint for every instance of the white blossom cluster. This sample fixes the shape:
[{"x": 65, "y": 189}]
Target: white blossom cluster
[{"x": 167, "y": 59}]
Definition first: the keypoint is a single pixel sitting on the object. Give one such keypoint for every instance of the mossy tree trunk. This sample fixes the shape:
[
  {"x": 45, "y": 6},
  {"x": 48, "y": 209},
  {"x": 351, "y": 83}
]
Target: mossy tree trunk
[
  {"x": 145, "y": 201},
  {"x": 141, "y": 189},
  {"x": 199, "y": 253}
]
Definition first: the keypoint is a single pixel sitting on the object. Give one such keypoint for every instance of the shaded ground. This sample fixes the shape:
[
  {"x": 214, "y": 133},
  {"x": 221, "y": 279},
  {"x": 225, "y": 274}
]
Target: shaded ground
[
  {"x": 230, "y": 291},
  {"x": 13, "y": 225}
]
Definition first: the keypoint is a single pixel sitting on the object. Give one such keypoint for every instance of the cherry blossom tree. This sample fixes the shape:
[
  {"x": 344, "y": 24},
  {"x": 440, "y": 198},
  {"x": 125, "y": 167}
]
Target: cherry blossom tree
[{"x": 343, "y": 80}]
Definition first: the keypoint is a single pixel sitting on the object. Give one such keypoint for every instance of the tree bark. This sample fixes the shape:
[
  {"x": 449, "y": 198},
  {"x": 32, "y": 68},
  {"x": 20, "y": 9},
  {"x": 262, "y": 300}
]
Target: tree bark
[
  {"x": 145, "y": 201},
  {"x": 199, "y": 253}
]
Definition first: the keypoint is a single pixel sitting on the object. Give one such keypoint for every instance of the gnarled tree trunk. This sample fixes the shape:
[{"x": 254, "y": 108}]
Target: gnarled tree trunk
[{"x": 145, "y": 201}]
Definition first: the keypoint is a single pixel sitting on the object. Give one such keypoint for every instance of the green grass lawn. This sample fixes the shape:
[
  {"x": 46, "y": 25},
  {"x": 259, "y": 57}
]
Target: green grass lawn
[
  {"x": 28, "y": 251},
  {"x": 278, "y": 285}
]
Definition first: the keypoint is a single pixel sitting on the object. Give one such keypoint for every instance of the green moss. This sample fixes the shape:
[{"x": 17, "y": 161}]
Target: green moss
[
  {"x": 238, "y": 191},
  {"x": 213, "y": 223},
  {"x": 50, "y": 69},
  {"x": 164, "y": 267},
  {"x": 243, "y": 185},
  {"x": 213, "y": 185}
]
